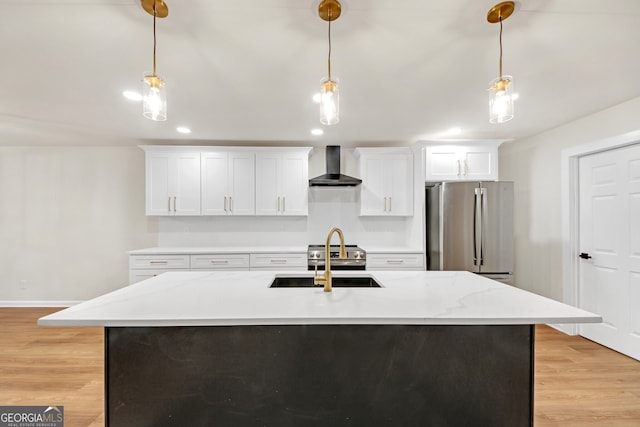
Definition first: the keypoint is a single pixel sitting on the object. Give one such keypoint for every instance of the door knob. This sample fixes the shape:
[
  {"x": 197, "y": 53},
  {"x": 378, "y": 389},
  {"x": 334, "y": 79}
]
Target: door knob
[{"x": 585, "y": 256}]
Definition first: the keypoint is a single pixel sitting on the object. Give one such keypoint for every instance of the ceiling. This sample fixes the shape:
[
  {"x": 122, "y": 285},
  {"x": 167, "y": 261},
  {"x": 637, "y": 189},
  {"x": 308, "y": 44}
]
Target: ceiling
[{"x": 245, "y": 71}]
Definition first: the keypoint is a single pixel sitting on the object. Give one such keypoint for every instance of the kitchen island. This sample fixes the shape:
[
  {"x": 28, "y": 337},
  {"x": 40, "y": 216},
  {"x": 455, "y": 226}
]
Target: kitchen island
[{"x": 223, "y": 348}]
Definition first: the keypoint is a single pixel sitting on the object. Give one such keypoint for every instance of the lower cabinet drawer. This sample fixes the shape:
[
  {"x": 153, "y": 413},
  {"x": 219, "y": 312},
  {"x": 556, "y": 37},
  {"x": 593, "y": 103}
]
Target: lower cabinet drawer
[
  {"x": 276, "y": 261},
  {"x": 390, "y": 261},
  {"x": 140, "y": 275},
  {"x": 220, "y": 262},
  {"x": 158, "y": 262}
]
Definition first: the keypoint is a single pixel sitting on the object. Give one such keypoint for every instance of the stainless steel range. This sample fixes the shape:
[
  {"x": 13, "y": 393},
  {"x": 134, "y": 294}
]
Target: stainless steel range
[{"x": 356, "y": 257}]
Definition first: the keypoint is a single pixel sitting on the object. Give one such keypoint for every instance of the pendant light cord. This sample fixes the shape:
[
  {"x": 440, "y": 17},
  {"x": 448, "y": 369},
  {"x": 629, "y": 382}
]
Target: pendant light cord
[
  {"x": 154, "y": 38},
  {"x": 500, "y": 47},
  {"x": 329, "y": 58}
]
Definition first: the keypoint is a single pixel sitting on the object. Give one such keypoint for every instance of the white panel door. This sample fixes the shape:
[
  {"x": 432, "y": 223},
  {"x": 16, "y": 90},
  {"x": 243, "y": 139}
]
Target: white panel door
[
  {"x": 400, "y": 188},
  {"x": 373, "y": 193},
  {"x": 443, "y": 163},
  {"x": 214, "y": 183},
  {"x": 268, "y": 183},
  {"x": 479, "y": 163},
  {"x": 157, "y": 184},
  {"x": 610, "y": 247},
  {"x": 295, "y": 184},
  {"x": 242, "y": 184}
]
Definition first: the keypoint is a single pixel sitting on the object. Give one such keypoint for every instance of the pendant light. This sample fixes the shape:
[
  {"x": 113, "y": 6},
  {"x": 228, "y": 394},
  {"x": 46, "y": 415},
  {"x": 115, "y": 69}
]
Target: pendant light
[
  {"x": 329, "y": 10},
  {"x": 501, "y": 89},
  {"x": 154, "y": 96}
]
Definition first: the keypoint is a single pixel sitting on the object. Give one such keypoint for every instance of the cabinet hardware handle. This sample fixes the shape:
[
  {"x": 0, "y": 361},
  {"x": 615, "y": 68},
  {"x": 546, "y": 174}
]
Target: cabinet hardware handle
[
  {"x": 385, "y": 204},
  {"x": 395, "y": 261},
  {"x": 459, "y": 168},
  {"x": 284, "y": 206},
  {"x": 219, "y": 261},
  {"x": 278, "y": 208},
  {"x": 278, "y": 261},
  {"x": 169, "y": 203},
  {"x": 230, "y": 204},
  {"x": 225, "y": 203},
  {"x": 174, "y": 203},
  {"x": 390, "y": 204},
  {"x": 158, "y": 262}
]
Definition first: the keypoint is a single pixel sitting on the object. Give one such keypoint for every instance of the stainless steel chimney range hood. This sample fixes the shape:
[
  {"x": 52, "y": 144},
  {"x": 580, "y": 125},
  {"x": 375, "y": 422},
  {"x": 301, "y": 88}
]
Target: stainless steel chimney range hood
[{"x": 333, "y": 177}]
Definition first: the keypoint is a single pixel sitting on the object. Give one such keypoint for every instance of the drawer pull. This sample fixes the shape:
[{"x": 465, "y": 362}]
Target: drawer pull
[
  {"x": 278, "y": 261},
  {"x": 219, "y": 261},
  {"x": 158, "y": 262},
  {"x": 395, "y": 261}
]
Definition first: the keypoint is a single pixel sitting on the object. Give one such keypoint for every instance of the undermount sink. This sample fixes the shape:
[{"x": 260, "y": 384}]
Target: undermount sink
[{"x": 337, "y": 282}]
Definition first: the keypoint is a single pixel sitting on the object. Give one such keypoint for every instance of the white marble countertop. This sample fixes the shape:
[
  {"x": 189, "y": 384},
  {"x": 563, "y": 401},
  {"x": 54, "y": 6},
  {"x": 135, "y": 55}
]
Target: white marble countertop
[
  {"x": 244, "y": 298},
  {"x": 198, "y": 250}
]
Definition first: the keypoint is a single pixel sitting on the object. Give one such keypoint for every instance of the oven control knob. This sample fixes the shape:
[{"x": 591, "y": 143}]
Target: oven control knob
[{"x": 357, "y": 255}]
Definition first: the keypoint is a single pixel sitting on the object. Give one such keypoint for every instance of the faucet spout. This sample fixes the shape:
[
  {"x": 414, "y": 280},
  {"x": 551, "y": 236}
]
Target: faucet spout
[{"x": 326, "y": 278}]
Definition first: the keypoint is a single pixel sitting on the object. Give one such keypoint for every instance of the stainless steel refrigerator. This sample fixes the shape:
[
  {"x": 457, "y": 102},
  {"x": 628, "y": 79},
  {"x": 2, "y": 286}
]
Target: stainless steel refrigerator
[{"x": 470, "y": 228}]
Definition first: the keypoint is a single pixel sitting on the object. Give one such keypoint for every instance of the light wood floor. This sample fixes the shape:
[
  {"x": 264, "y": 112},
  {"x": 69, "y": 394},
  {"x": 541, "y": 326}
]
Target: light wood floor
[{"x": 578, "y": 382}]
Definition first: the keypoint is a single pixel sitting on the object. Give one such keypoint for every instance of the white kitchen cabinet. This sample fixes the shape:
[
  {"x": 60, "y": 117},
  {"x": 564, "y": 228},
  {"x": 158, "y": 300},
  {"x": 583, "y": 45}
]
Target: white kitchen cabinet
[
  {"x": 172, "y": 181},
  {"x": 143, "y": 267},
  {"x": 279, "y": 261},
  {"x": 228, "y": 182},
  {"x": 395, "y": 261},
  {"x": 282, "y": 181},
  {"x": 471, "y": 161},
  {"x": 387, "y": 181},
  {"x": 220, "y": 261}
]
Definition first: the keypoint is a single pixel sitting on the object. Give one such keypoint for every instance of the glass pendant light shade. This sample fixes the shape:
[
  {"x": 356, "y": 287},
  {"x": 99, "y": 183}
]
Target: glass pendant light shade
[
  {"x": 501, "y": 100},
  {"x": 329, "y": 102},
  {"x": 154, "y": 97}
]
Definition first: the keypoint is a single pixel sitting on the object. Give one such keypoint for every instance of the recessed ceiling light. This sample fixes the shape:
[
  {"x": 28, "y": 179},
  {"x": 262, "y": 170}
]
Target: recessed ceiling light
[
  {"x": 514, "y": 96},
  {"x": 317, "y": 98},
  {"x": 131, "y": 95},
  {"x": 453, "y": 131},
  {"x": 317, "y": 132},
  {"x": 183, "y": 129}
]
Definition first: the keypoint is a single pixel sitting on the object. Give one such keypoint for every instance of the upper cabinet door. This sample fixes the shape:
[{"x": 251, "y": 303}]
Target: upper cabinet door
[
  {"x": 228, "y": 183},
  {"x": 400, "y": 185},
  {"x": 268, "y": 176},
  {"x": 282, "y": 182},
  {"x": 373, "y": 190},
  {"x": 479, "y": 163},
  {"x": 468, "y": 162},
  {"x": 214, "y": 183},
  {"x": 242, "y": 181},
  {"x": 295, "y": 183},
  {"x": 387, "y": 182},
  {"x": 172, "y": 183},
  {"x": 443, "y": 163}
]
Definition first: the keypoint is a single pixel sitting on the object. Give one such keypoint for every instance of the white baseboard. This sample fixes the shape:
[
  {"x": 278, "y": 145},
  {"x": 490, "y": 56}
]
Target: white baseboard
[
  {"x": 567, "y": 328},
  {"x": 31, "y": 303}
]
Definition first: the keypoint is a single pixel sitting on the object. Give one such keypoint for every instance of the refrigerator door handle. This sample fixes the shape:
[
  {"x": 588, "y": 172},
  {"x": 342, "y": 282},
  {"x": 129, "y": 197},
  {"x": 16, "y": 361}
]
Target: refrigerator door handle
[
  {"x": 475, "y": 225},
  {"x": 483, "y": 225}
]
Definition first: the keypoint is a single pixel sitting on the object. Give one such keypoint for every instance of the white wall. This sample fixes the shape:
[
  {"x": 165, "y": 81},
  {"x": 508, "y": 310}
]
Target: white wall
[
  {"x": 534, "y": 164},
  {"x": 68, "y": 215}
]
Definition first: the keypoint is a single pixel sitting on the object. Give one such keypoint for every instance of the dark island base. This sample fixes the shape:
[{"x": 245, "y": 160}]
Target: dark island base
[{"x": 320, "y": 375}]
